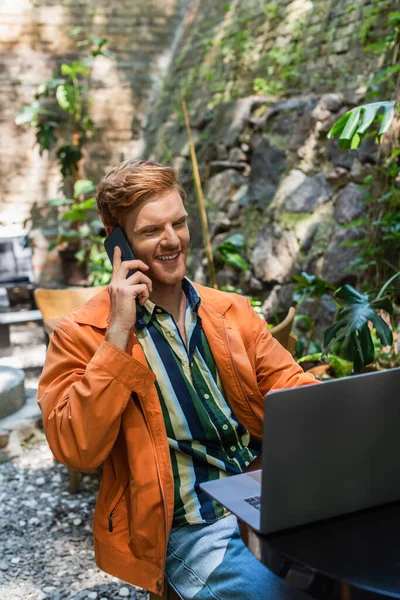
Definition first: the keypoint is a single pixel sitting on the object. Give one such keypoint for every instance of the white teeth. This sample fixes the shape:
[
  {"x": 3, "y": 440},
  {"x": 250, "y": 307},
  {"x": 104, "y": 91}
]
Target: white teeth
[{"x": 171, "y": 257}]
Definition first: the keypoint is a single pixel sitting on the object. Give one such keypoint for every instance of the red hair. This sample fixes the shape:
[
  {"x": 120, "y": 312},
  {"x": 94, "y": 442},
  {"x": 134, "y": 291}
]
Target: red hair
[{"x": 131, "y": 183}]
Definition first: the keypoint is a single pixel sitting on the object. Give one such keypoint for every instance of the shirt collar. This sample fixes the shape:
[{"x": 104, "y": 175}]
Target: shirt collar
[{"x": 145, "y": 313}]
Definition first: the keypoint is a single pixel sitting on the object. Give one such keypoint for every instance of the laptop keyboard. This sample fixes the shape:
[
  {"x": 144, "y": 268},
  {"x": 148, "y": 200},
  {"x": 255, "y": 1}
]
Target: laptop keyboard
[{"x": 254, "y": 501}]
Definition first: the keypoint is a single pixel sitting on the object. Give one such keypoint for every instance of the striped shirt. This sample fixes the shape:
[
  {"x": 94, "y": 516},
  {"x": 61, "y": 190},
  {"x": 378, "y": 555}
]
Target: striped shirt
[{"x": 206, "y": 441}]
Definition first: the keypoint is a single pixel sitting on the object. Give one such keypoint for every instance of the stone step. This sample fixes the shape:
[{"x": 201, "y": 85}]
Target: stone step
[{"x": 12, "y": 390}]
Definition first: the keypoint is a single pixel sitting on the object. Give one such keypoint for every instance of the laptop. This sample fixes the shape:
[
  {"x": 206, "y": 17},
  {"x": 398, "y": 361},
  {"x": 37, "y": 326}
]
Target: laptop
[{"x": 328, "y": 450}]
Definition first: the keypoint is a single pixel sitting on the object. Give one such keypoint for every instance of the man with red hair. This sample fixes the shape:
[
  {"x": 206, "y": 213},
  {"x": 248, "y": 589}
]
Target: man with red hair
[{"x": 161, "y": 381}]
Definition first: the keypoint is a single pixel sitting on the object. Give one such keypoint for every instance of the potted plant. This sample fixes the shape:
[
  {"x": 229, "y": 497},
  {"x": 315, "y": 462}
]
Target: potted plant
[{"x": 79, "y": 232}]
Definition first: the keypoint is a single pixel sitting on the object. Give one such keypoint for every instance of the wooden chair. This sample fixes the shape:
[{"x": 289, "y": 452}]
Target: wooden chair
[
  {"x": 283, "y": 332},
  {"x": 55, "y": 304}
]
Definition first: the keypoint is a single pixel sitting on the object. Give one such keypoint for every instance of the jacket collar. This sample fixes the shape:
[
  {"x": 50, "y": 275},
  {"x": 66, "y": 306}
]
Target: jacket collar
[{"x": 96, "y": 312}]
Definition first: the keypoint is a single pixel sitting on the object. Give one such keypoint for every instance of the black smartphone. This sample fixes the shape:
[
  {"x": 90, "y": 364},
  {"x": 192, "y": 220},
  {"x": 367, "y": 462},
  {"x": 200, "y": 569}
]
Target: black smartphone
[{"x": 118, "y": 238}]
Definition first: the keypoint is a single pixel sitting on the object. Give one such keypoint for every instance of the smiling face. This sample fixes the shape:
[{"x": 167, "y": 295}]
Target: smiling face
[{"x": 158, "y": 233}]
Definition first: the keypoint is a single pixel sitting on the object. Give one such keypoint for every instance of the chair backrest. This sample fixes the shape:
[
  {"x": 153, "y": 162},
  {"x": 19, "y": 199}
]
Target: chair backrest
[
  {"x": 282, "y": 331},
  {"x": 54, "y": 304}
]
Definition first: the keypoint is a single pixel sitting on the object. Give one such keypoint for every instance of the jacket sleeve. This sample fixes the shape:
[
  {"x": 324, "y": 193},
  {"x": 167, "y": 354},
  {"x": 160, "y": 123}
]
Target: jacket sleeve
[
  {"x": 82, "y": 398},
  {"x": 275, "y": 366}
]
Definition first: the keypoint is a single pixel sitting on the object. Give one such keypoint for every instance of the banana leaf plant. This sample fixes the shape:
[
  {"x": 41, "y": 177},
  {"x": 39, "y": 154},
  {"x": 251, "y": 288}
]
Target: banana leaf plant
[
  {"x": 355, "y": 124},
  {"x": 351, "y": 330}
]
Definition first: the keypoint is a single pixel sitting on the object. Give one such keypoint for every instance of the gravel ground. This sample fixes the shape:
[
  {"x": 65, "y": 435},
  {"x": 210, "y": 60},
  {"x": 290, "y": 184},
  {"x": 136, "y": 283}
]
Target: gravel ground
[{"x": 46, "y": 543}]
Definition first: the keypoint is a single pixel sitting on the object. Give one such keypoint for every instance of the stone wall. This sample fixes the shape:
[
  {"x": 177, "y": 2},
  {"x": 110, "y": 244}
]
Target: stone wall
[
  {"x": 277, "y": 48},
  {"x": 267, "y": 168},
  {"x": 34, "y": 39}
]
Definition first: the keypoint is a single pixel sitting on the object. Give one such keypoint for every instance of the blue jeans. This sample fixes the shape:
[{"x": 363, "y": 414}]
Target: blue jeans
[{"x": 211, "y": 562}]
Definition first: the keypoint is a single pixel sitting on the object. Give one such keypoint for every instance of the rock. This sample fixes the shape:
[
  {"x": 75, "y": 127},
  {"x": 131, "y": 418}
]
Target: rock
[
  {"x": 34, "y": 521},
  {"x": 40, "y": 481},
  {"x": 12, "y": 390},
  {"x": 331, "y": 102},
  {"x": 236, "y": 155},
  {"x": 230, "y": 118},
  {"x": 337, "y": 258},
  {"x": 267, "y": 164},
  {"x": 14, "y": 448},
  {"x": 4, "y": 457},
  {"x": 340, "y": 158},
  {"x": 3, "y": 565},
  {"x": 271, "y": 304},
  {"x": 274, "y": 253},
  {"x": 255, "y": 285},
  {"x": 241, "y": 197},
  {"x": 320, "y": 114},
  {"x": 325, "y": 315},
  {"x": 15, "y": 560},
  {"x": 221, "y": 187},
  {"x": 77, "y": 522},
  {"x": 303, "y": 193},
  {"x": 222, "y": 152},
  {"x": 92, "y": 596},
  {"x": 4, "y": 437},
  {"x": 124, "y": 592},
  {"x": 278, "y": 302},
  {"x": 56, "y": 478},
  {"x": 349, "y": 204}
]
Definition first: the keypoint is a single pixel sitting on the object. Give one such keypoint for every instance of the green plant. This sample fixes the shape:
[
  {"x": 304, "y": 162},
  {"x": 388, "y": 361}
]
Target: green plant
[
  {"x": 340, "y": 366},
  {"x": 79, "y": 230},
  {"x": 351, "y": 332},
  {"x": 355, "y": 124},
  {"x": 378, "y": 255},
  {"x": 229, "y": 251},
  {"x": 60, "y": 112},
  {"x": 310, "y": 286}
]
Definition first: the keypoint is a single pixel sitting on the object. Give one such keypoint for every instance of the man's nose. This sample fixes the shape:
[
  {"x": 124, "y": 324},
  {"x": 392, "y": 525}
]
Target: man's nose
[{"x": 170, "y": 237}]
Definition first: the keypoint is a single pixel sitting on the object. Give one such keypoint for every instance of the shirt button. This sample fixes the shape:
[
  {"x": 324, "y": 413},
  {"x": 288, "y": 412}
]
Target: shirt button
[
  {"x": 191, "y": 364},
  {"x": 225, "y": 427},
  {"x": 159, "y": 310},
  {"x": 206, "y": 396},
  {"x": 246, "y": 463},
  {"x": 233, "y": 448}
]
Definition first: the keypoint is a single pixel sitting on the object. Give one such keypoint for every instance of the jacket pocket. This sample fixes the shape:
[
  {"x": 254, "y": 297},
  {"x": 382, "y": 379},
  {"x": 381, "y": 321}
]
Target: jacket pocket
[{"x": 114, "y": 507}]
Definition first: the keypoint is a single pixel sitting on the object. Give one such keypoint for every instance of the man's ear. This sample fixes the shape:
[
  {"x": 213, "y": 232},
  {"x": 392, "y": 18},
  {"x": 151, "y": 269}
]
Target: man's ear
[{"x": 109, "y": 229}]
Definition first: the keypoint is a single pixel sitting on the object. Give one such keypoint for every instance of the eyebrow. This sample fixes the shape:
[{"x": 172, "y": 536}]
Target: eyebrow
[{"x": 149, "y": 227}]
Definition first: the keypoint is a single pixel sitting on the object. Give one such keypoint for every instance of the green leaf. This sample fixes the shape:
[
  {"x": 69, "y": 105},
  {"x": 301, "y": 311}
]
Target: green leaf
[
  {"x": 351, "y": 329},
  {"x": 386, "y": 285},
  {"x": 351, "y": 125},
  {"x": 341, "y": 366},
  {"x": 74, "y": 215},
  {"x": 310, "y": 357},
  {"x": 65, "y": 97},
  {"x": 74, "y": 69},
  {"x": 235, "y": 260},
  {"x": 366, "y": 345},
  {"x": 83, "y": 186},
  {"x": 338, "y": 127},
  {"x": 60, "y": 201},
  {"x": 387, "y": 120}
]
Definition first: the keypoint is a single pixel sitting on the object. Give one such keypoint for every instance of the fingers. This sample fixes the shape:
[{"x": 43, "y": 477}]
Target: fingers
[
  {"x": 116, "y": 258},
  {"x": 127, "y": 265},
  {"x": 140, "y": 277},
  {"x": 143, "y": 293}
]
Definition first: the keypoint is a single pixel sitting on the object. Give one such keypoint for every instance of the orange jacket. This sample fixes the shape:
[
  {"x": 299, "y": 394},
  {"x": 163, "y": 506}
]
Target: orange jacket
[{"x": 100, "y": 407}]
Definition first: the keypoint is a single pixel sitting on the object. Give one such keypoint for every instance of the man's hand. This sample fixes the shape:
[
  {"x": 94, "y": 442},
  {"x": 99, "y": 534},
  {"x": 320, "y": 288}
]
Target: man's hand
[{"x": 123, "y": 293}]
